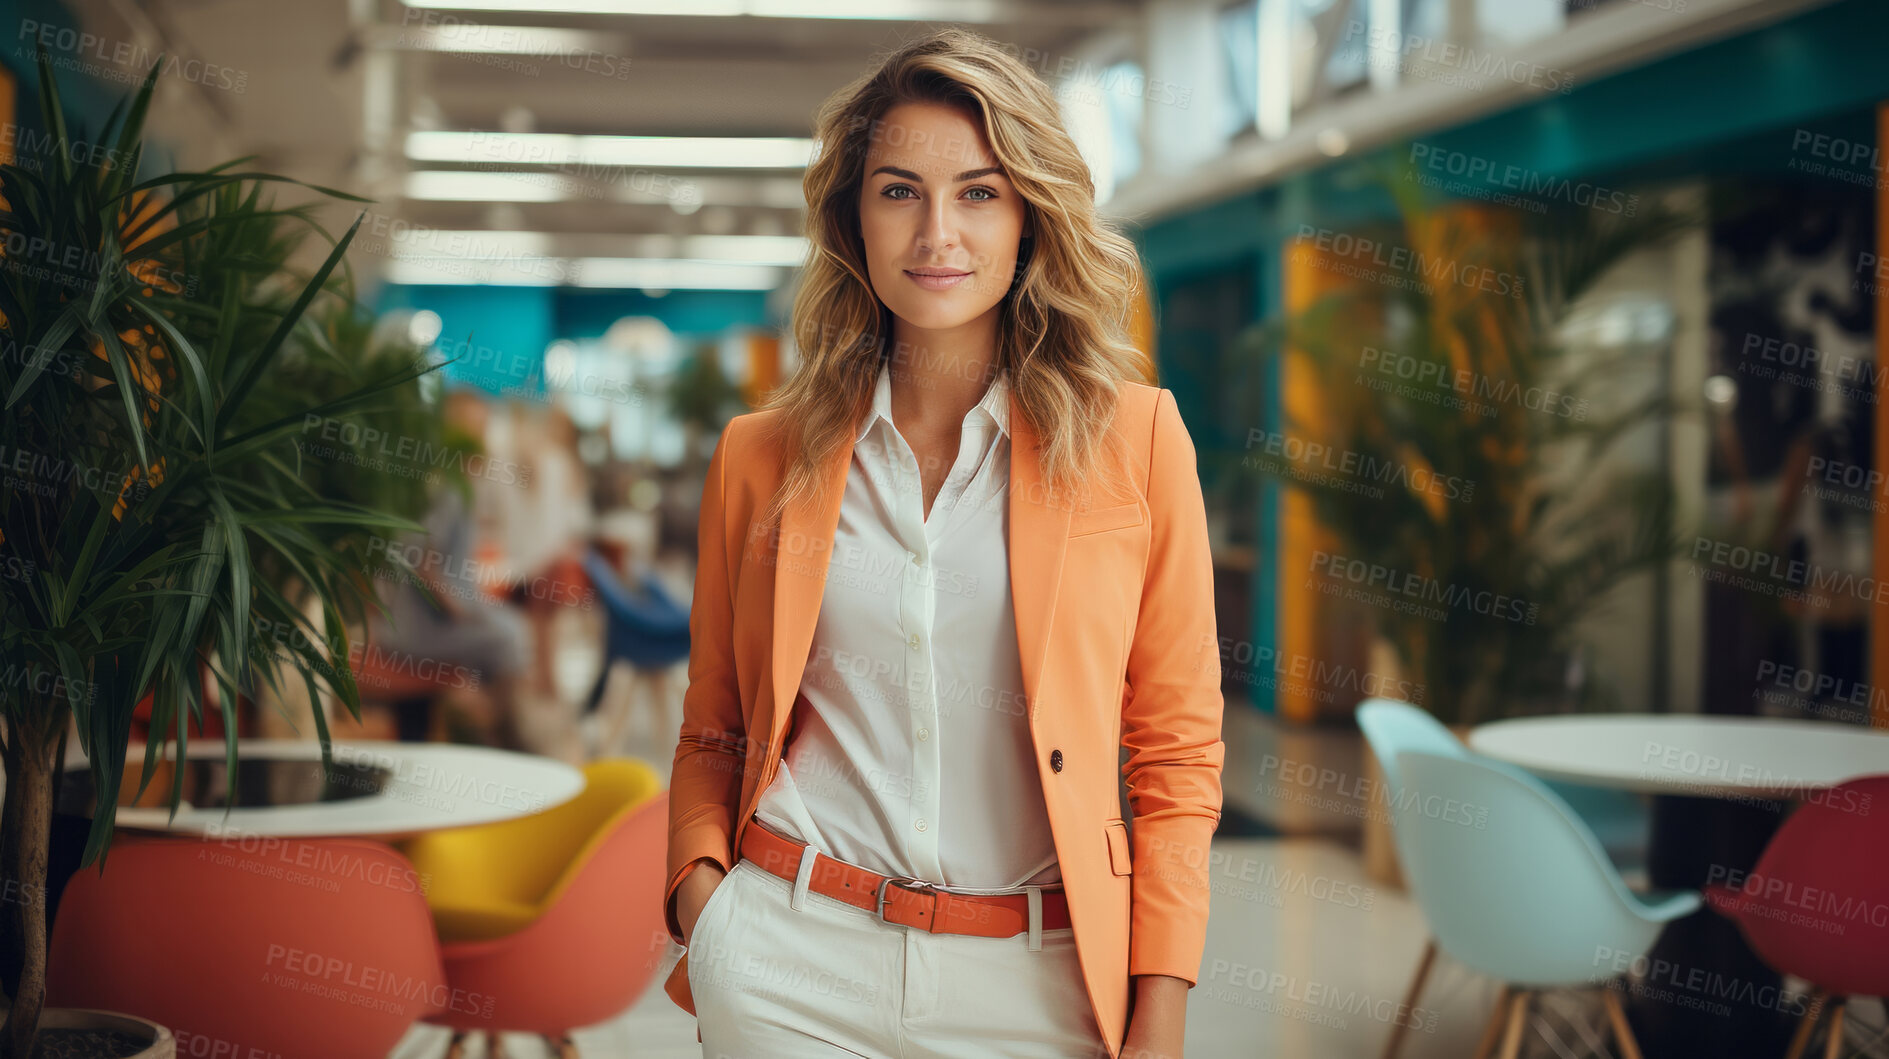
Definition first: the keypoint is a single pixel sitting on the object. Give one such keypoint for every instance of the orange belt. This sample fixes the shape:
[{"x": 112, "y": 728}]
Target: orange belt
[{"x": 905, "y": 902}]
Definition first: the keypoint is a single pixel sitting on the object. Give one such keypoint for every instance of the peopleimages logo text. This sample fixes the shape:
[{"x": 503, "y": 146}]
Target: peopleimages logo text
[
  {"x": 1522, "y": 180},
  {"x": 362, "y": 440},
  {"x": 1402, "y": 259},
  {"x": 1485, "y": 602},
  {"x": 1405, "y": 367}
]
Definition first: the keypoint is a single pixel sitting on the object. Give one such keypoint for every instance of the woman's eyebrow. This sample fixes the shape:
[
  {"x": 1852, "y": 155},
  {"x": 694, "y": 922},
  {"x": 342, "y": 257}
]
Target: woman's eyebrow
[{"x": 968, "y": 174}]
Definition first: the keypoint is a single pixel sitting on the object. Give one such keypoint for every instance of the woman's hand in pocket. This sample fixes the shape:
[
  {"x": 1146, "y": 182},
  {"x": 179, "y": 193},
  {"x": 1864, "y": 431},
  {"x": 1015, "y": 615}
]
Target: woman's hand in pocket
[{"x": 692, "y": 895}]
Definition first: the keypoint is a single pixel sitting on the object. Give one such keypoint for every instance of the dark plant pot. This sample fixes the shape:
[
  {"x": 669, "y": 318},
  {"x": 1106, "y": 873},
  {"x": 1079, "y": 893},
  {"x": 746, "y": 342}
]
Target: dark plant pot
[{"x": 82, "y": 1033}]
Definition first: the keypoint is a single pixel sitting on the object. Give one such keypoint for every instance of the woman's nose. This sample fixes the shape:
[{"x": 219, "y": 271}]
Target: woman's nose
[{"x": 939, "y": 231}]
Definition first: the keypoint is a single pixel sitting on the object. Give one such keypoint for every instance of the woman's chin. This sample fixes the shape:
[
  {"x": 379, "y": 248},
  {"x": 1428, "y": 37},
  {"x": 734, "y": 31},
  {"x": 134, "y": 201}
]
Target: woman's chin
[{"x": 937, "y": 317}]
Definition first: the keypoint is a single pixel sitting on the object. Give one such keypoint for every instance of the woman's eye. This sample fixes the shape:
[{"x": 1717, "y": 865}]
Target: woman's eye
[
  {"x": 981, "y": 194},
  {"x": 899, "y": 191}
]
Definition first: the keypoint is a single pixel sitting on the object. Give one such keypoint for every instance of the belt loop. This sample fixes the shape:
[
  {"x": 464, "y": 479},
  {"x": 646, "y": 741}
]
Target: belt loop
[
  {"x": 1036, "y": 918},
  {"x": 805, "y": 878}
]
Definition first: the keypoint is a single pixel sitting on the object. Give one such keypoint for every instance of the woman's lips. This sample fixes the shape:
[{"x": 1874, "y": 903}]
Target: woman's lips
[{"x": 935, "y": 280}]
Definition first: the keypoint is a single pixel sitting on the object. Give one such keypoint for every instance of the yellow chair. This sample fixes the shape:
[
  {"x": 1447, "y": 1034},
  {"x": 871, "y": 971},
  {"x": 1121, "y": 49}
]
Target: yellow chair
[{"x": 491, "y": 880}]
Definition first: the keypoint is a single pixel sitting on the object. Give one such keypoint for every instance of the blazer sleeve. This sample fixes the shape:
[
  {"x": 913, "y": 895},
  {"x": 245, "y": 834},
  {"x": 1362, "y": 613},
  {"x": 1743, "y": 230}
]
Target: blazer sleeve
[
  {"x": 705, "y": 782},
  {"x": 1171, "y": 715}
]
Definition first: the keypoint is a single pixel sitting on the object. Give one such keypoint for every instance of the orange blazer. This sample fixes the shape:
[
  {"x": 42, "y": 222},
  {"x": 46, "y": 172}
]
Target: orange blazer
[{"x": 1115, "y": 625}]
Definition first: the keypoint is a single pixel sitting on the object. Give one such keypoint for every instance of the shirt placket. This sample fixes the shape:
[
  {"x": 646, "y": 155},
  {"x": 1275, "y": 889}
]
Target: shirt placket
[
  {"x": 918, "y": 609},
  {"x": 917, "y": 615}
]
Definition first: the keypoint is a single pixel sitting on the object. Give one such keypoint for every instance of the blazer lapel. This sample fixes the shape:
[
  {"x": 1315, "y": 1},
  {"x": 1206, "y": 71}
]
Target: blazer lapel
[
  {"x": 1039, "y": 538},
  {"x": 800, "y": 563}
]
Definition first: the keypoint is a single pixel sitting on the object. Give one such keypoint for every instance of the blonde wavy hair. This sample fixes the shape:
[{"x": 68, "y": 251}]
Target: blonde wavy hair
[{"x": 1063, "y": 331}]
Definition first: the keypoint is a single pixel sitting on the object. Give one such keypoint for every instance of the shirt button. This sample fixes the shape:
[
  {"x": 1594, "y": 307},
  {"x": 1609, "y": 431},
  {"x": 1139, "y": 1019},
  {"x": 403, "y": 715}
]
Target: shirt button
[
  {"x": 1055, "y": 761},
  {"x": 921, "y": 825},
  {"x": 924, "y": 734},
  {"x": 917, "y": 559},
  {"x": 913, "y": 642}
]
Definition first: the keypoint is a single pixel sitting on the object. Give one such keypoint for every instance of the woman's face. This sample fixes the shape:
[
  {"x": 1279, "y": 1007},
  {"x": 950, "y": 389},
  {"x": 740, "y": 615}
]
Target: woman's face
[{"x": 940, "y": 221}]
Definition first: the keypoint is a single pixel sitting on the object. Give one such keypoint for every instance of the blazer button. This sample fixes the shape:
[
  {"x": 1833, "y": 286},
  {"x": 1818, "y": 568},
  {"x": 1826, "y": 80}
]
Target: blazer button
[{"x": 1055, "y": 761}]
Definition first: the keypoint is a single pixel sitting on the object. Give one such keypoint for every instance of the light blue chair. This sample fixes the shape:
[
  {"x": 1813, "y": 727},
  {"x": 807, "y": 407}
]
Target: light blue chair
[
  {"x": 1390, "y": 727},
  {"x": 1515, "y": 886},
  {"x": 1617, "y": 818}
]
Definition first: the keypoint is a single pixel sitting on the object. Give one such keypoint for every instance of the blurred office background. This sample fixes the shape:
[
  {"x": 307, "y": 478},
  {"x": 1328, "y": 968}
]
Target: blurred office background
[{"x": 1365, "y": 223}]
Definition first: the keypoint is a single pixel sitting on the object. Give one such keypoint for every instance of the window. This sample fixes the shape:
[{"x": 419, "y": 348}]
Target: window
[
  {"x": 1324, "y": 63},
  {"x": 1104, "y": 116},
  {"x": 1123, "y": 88},
  {"x": 1320, "y": 49},
  {"x": 1239, "y": 39},
  {"x": 1333, "y": 35}
]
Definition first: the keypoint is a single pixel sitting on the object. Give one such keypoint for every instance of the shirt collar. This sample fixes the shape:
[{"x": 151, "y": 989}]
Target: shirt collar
[{"x": 995, "y": 404}]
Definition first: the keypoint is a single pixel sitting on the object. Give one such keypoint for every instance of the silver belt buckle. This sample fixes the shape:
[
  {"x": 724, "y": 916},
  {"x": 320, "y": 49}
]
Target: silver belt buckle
[{"x": 908, "y": 883}]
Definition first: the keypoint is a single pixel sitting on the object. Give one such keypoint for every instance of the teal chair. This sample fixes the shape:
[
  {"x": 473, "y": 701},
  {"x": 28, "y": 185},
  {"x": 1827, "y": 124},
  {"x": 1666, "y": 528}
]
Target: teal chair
[
  {"x": 1617, "y": 818},
  {"x": 1515, "y": 886},
  {"x": 1392, "y": 726}
]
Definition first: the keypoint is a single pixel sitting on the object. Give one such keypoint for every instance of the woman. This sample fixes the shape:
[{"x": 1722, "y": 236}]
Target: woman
[{"x": 957, "y": 563}]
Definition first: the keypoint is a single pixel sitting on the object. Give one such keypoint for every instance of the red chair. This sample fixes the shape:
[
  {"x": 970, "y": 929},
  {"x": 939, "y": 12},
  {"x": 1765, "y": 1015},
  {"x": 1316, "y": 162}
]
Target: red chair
[
  {"x": 411, "y": 697},
  {"x": 318, "y": 949},
  {"x": 1817, "y": 904},
  {"x": 589, "y": 955}
]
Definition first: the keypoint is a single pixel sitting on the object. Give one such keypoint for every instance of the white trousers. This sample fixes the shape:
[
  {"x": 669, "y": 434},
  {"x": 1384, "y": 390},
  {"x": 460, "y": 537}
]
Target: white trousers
[{"x": 780, "y": 972}]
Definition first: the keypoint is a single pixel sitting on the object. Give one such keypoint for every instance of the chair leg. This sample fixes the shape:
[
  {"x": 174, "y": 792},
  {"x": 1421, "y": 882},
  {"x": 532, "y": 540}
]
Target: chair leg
[
  {"x": 1833, "y": 1047},
  {"x": 1518, "y": 1020},
  {"x": 1494, "y": 1026},
  {"x": 596, "y": 690},
  {"x": 1807, "y": 1025},
  {"x": 1396, "y": 1043},
  {"x": 562, "y": 1046},
  {"x": 1623, "y": 1030},
  {"x": 413, "y": 718}
]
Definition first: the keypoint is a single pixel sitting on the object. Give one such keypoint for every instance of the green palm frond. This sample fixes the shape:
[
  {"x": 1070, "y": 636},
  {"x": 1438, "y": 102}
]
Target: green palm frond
[
  {"x": 159, "y": 509},
  {"x": 1487, "y": 395}
]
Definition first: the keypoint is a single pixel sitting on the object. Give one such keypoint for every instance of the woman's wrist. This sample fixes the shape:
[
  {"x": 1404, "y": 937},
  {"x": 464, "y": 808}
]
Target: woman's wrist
[
  {"x": 1158, "y": 998},
  {"x": 1157, "y": 1020},
  {"x": 701, "y": 879}
]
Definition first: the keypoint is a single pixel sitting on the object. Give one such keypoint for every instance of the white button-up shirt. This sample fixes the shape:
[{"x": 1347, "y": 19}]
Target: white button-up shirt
[{"x": 916, "y": 759}]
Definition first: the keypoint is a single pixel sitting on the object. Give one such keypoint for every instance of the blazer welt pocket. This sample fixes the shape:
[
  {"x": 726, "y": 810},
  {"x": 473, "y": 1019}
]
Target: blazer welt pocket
[
  {"x": 1103, "y": 519},
  {"x": 1120, "y": 858}
]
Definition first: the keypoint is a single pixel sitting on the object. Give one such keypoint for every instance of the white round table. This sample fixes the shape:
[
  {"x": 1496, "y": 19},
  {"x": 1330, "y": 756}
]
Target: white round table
[
  {"x": 1701, "y": 756},
  {"x": 383, "y": 790}
]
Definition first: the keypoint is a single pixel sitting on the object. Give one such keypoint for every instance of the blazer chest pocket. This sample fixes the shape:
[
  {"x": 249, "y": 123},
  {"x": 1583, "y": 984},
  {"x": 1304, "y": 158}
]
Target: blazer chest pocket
[
  {"x": 1103, "y": 519},
  {"x": 1120, "y": 859}
]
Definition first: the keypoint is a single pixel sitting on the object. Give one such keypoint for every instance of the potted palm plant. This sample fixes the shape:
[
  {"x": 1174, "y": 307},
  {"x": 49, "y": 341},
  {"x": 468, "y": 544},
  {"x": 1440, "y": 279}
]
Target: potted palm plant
[
  {"x": 1483, "y": 430},
  {"x": 1465, "y": 432},
  {"x": 155, "y": 496}
]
